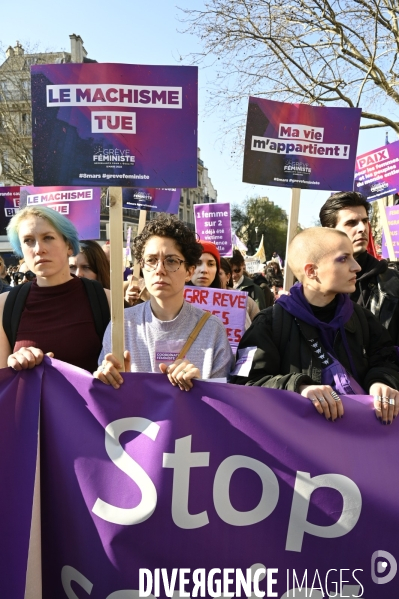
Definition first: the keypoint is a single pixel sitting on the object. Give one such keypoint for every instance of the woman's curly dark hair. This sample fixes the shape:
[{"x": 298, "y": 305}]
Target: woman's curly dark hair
[{"x": 167, "y": 225}]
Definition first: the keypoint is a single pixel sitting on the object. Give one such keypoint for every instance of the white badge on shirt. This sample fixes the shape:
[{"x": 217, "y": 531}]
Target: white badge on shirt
[
  {"x": 244, "y": 361},
  {"x": 166, "y": 351}
]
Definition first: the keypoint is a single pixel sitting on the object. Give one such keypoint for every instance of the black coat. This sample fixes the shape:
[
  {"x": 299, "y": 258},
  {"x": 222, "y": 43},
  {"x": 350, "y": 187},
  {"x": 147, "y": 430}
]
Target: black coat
[
  {"x": 253, "y": 291},
  {"x": 284, "y": 359},
  {"x": 377, "y": 288}
]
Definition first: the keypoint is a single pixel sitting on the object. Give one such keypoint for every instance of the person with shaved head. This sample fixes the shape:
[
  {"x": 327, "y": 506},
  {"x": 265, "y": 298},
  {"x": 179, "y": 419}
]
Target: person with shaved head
[{"x": 316, "y": 341}]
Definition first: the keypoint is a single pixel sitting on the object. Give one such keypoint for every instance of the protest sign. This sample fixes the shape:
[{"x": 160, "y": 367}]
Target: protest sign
[
  {"x": 153, "y": 200},
  {"x": 9, "y": 205},
  {"x": 392, "y": 213},
  {"x": 224, "y": 478},
  {"x": 297, "y": 145},
  {"x": 377, "y": 172},
  {"x": 253, "y": 266},
  {"x": 213, "y": 223},
  {"x": 114, "y": 124},
  {"x": 82, "y": 205},
  {"x": 228, "y": 305}
]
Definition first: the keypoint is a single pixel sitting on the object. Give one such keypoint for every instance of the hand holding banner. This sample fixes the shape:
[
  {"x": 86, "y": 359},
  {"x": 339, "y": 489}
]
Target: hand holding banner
[{"x": 152, "y": 480}]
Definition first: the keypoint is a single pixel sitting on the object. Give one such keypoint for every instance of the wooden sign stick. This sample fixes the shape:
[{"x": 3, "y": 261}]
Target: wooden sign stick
[
  {"x": 142, "y": 220},
  {"x": 117, "y": 305},
  {"x": 292, "y": 229}
]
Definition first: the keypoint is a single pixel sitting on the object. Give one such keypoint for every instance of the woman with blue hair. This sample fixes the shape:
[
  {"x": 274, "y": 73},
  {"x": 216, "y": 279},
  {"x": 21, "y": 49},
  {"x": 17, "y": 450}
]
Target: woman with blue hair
[{"x": 59, "y": 309}]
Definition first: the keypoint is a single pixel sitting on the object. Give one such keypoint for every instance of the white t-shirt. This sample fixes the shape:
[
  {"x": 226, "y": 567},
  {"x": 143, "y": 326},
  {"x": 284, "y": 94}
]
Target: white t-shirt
[{"x": 152, "y": 341}]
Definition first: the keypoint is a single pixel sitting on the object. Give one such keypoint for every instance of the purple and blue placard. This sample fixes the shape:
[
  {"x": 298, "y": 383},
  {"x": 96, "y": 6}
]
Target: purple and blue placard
[
  {"x": 213, "y": 223},
  {"x": 377, "y": 172},
  {"x": 229, "y": 305},
  {"x": 296, "y": 145},
  {"x": 82, "y": 205},
  {"x": 153, "y": 200},
  {"x": 114, "y": 124},
  {"x": 223, "y": 477},
  {"x": 392, "y": 213},
  {"x": 9, "y": 205}
]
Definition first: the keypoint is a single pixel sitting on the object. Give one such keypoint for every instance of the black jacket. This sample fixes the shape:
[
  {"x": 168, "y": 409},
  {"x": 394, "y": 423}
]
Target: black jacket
[
  {"x": 253, "y": 291},
  {"x": 261, "y": 282},
  {"x": 284, "y": 359},
  {"x": 377, "y": 288}
]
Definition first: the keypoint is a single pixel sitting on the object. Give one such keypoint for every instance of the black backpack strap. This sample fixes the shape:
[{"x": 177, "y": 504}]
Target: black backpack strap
[
  {"x": 319, "y": 353},
  {"x": 99, "y": 305},
  {"x": 281, "y": 326},
  {"x": 13, "y": 308},
  {"x": 364, "y": 326}
]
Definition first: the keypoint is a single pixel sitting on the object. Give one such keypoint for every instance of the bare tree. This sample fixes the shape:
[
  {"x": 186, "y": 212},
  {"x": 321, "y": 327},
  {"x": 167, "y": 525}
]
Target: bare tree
[
  {"x": 321, "y": 52},
  {"x": 15, "y": 105}
]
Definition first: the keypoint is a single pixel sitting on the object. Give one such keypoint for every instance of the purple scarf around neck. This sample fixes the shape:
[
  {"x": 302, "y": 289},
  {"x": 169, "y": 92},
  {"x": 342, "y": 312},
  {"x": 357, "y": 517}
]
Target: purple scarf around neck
[{"x": 298, "y": 306}]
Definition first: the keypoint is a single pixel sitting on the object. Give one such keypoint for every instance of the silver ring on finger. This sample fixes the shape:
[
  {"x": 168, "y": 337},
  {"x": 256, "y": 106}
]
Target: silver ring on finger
[
  {"x": 391, "y": 401},
  {"x": 313, "y": 399},
  {"x": 321, "y": 399},
  {"x": 335, "y": 396},
  {"x": 378, "y": 397},
  {"x": 384, "y": 400}
]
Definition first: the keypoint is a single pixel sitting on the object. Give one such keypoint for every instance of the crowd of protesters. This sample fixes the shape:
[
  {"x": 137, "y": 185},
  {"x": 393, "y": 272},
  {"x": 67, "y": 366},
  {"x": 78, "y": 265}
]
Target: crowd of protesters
[{"x": 334, "y": 334}]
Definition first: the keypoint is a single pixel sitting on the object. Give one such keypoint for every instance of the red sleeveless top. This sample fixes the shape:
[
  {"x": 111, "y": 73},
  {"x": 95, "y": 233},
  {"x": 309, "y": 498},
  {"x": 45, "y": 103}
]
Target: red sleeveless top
[{"x": 59, "y": 319}]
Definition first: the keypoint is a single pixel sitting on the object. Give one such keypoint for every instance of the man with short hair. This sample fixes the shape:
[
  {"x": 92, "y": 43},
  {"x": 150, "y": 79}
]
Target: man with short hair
[
  {"x": 243, "y": 283},
  {"x": 377, "y": 286},
  {"x": 316, "y": 341}
]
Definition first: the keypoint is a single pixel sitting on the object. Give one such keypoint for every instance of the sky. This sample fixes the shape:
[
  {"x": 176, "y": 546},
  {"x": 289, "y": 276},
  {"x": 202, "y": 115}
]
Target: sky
[{"x": 129, "y": 31}]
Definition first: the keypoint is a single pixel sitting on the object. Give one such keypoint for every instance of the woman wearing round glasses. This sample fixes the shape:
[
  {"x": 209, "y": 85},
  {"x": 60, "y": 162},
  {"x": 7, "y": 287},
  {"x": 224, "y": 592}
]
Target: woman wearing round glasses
[{"x": 156, "y": 331}]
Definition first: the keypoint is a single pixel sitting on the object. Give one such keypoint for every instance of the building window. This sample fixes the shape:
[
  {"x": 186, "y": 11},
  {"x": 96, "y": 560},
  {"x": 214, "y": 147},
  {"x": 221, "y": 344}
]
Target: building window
[{"x": 26, "y": 86}]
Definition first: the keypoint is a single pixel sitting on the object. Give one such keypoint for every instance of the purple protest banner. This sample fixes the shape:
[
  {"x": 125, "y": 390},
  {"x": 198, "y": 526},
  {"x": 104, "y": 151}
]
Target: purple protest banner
[
  {"x": 377, "y": 172},
  {"x": 229, "y": 305},
  {"x": 153, "y": 200},
  {"x": 114, "y": 124},
  {"x": 297, "y": 145},
  {"x": 19, "y": 417},
  {"x": 147, "y": 477},
  {"x": 213, "y": 223},
  {"x": 82, "y": 205},
  {"x": 392, "y": 213},
  {"x": 9, "y": 205}
]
